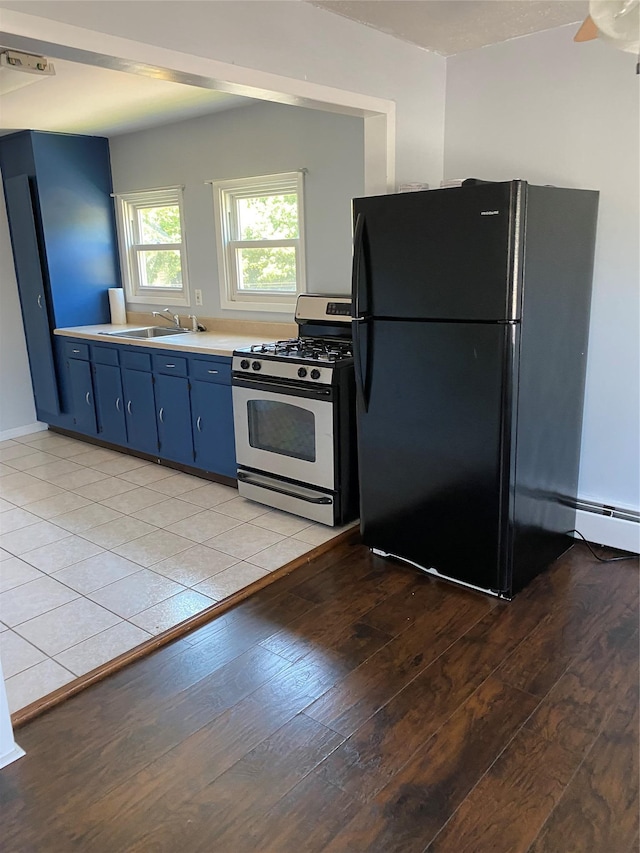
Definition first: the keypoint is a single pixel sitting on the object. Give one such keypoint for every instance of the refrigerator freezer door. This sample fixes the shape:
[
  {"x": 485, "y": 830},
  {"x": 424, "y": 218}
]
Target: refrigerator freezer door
[
  {"x": 432, "y": 446},
  {"x": 447, "y": 254}
]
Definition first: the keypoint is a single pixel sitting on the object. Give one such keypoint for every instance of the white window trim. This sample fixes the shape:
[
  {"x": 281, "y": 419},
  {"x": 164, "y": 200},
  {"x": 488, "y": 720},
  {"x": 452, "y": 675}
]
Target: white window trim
[
  {"x": 223, "y": 194},
  {"x": 134, "y": 292}
]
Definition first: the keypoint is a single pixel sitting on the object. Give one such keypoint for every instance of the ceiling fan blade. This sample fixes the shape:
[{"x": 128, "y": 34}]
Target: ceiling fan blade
[{"x": 587, "y": 31}]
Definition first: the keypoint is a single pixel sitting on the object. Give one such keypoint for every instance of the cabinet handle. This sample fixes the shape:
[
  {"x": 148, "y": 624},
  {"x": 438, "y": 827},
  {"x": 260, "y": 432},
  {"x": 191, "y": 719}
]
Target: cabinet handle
[
  {"x": 199, "y": 424},
  {"x": 87, "y": 398},
  {"x": 169, "y": 365},
  {"x": 75, "y": 350},
  {"x": 118, "y": 403},
  {"x": 129, "y": 406},
  {"x": 161, "y": 414},
  {"x": 39, "y": 300},
  {"x": 212, "y": 371}
]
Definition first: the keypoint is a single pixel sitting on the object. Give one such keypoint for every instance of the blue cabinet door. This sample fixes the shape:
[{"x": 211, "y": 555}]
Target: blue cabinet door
[
  {"x": 33, "y": 297},
  {"x": 83, "y": 410},
  {"x": 61, "y": 218},
  {"x": 110, "y": 404},
  {"x": 174, "y": 418},
  {"x": 78, "y": 226},
  {"x": 214, "y": 441},
  {"x": 140, "y": 410}
]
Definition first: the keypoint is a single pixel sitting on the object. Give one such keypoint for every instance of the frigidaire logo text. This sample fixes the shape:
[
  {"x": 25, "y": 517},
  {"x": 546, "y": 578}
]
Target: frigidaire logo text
[{"x": 489, "y": 212}]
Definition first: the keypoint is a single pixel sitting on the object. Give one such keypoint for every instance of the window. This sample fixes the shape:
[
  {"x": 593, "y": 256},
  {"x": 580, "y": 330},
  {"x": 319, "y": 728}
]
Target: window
[
  {"x": 259, "y": 235},
  {"x": 152, "y": 246}
]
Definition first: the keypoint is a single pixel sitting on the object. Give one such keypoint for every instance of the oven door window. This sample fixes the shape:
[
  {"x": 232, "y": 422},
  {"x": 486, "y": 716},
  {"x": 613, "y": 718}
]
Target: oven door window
[
  {"x": 282, "y": 428},
  {"x": 285, "y": 435}
]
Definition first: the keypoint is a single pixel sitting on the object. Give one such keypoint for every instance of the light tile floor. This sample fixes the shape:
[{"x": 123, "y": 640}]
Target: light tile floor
[{"x": 100, "y": 550}]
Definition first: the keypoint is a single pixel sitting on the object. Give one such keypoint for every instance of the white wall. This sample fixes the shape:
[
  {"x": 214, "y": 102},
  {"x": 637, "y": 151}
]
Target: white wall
[
  {"x": 292, "y": 39},
  {"x": 9, "y": 749},
  {"x": 258, "y": 139},
  {"x": 548, "y": 110},
  {"x": 17, "y": 410}
]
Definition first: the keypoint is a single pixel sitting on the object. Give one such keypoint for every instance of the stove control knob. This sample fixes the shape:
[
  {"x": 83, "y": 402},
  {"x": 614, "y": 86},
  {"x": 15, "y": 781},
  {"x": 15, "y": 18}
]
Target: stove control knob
[
  {"x": 302, "y": 372},
  {"x": 256, "y": 365},
  {"x": 244, "y": 364},
  {"x": 315, "y": 373}
]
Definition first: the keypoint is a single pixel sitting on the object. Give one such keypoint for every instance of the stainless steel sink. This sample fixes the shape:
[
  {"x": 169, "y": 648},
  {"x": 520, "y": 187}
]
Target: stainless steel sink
[{"x": 149, "y": 332}]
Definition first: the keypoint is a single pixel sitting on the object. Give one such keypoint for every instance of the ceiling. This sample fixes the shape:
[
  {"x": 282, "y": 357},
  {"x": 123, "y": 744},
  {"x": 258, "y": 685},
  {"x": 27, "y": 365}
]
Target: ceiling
[
  {"x": 88, "y": 99},
  {"x": 453, "y": 26}
]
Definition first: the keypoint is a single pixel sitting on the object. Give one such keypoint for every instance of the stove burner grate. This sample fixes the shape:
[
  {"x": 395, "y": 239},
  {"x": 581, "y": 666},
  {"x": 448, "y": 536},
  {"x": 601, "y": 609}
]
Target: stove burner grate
[{"x": 319, "y": 349}]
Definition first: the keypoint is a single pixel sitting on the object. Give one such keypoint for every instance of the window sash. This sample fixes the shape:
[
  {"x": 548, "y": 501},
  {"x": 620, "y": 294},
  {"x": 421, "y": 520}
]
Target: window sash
[
  {"x": 156, "y": 247},
  {"x": 137, "y": 225},
  {"x": 275, "y": 291},
  {"x": 262, "y": 244},
  {"x": 138, "y": 259}
]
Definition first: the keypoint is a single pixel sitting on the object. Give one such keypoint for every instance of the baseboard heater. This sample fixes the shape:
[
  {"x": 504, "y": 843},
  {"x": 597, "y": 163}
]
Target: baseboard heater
[
  {"x": 604, "y": 524},
  {"x": 606, "y": 510}
]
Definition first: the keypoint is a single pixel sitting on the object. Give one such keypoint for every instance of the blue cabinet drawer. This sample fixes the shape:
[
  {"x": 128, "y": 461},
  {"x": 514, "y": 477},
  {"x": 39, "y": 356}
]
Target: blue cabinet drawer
[
  {"x": 211, "y": 371},
  {"x": 135, "y": 360},
  {"x": 104, "y": 355},
  {"x": 167, "y": 363},
  {"x": 72, "y": 349}
]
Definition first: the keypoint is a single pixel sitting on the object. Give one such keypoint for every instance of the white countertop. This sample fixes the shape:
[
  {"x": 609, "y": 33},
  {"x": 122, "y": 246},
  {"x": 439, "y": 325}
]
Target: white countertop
[{"x": 207, "y": 343}]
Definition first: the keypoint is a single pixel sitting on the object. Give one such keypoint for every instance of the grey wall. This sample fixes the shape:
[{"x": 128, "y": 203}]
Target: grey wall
[
  {"x": 257, "y": 139},
  {"x": 17, "y": 409},
  {"x": 548, "y": 110}
]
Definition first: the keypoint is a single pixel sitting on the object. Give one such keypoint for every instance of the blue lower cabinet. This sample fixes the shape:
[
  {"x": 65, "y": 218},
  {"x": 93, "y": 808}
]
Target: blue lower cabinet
[
  {"x": 173, "y": 408},
  {"x": 140, "y": 410},
  {"x": 213, "y": 436},
  {"x": 110, "y": 403},
  {"x": 170, "y": 405},
  {"x": 83, "y": 411}
]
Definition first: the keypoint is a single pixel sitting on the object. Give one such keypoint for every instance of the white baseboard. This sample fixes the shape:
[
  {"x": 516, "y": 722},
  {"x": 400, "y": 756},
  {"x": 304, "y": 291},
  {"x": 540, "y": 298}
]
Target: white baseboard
[
  {"x": 604, "y": 530},
  {"x": 6, "y": 434},
  {"x": 13, "y": 755}
]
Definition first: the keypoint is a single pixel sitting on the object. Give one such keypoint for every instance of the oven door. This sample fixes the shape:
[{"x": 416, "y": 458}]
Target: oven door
[{"x": 288, "y": 434}]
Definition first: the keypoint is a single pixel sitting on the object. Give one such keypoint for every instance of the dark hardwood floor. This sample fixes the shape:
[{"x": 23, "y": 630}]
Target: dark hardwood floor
[{"x": 356, "y": 705}]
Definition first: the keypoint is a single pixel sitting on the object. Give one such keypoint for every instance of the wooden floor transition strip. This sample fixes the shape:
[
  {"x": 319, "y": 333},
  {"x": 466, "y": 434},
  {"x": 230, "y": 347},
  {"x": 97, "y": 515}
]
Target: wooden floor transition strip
[{"x": 44, "y": 703}]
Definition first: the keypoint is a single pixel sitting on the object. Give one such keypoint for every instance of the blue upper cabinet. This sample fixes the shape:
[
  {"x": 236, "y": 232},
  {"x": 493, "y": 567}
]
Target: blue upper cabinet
[
  {"x": 62, "y": 225},
  {"x": 73, "y": 175},
  {"x": 70, "y": 182}
]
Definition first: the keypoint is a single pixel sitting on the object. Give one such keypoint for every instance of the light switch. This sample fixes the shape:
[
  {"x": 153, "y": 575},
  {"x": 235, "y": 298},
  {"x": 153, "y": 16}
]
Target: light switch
[{"x": 198, "y": 295}]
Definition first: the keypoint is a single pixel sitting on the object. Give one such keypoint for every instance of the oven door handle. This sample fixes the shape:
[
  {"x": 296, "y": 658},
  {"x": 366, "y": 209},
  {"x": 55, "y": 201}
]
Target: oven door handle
[
  {"x": 247, "y": 478},
  {"x": 264, "y": 383}
]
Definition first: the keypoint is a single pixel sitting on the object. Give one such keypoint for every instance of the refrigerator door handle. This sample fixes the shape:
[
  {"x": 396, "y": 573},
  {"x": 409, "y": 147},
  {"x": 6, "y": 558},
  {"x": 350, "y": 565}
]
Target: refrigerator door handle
[
  {"x": 362, "y": 340},
  {"x": 358, "y": 271}
]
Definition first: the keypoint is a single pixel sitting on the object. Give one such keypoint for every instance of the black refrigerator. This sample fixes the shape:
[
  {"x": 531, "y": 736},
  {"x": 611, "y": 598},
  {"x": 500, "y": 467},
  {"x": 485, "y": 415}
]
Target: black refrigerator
[{"x": 471, "y": 318}]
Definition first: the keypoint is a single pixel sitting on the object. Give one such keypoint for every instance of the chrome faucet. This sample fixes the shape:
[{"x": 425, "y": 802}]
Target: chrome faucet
[
  {"x": 196, "y": 325},
  {"x": 175, "y": 318}
]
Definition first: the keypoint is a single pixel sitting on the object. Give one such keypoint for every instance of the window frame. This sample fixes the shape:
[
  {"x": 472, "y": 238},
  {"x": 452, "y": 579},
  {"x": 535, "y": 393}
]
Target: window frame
[
  {"x": 225, "y": 194},
  {"x": 130, "y": 248}
]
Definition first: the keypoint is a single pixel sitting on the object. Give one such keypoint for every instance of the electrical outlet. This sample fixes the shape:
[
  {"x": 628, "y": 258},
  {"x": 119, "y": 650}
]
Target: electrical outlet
[{"x": 198, "y": 295}]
